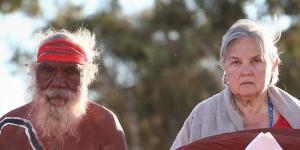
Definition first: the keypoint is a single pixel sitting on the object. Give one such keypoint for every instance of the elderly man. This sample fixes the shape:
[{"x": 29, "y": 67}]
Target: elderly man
[{"x": 60, "y": 117}]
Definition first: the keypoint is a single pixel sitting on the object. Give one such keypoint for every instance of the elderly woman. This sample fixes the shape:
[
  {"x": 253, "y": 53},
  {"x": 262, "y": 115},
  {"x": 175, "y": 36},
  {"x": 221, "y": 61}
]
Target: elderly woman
[{"x": 250, "y": 99}]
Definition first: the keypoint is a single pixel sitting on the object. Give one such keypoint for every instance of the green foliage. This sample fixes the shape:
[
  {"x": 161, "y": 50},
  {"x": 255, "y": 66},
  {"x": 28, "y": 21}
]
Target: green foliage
[
  {"x": 289, "y": 72},
  {"x": 30, "y": 7},
  {"x": 174, "y": 50}
]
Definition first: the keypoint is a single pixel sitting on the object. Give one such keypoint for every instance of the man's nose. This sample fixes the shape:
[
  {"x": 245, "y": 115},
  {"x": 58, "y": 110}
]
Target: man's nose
[{"x": 58, "y": 81}]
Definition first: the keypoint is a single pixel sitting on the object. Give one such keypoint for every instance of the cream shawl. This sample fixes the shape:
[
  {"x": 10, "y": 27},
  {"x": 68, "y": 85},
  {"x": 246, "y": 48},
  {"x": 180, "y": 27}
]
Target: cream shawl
[{"x": 216, "y": 115}]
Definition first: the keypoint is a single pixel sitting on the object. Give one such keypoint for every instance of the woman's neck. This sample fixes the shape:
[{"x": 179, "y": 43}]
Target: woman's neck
[
  {"x": 254, "y": 111},
  {"x": 251, "y": 105}
]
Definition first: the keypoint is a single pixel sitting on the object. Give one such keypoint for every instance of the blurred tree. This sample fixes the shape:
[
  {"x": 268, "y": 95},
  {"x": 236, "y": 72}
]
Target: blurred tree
[
  {"x": 168, "y": 47},
  {"x": 29, "y": 7},
  {"x": 168, "y": 60},
  {"x": 289, "y": 74}
]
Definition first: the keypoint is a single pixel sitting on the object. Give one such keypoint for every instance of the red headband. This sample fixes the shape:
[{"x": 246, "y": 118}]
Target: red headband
[{"x": 61, "y": 50}]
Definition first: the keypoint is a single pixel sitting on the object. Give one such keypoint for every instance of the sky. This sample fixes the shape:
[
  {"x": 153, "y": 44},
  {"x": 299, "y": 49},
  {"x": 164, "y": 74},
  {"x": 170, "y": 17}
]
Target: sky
[
  {"x": 16, "y": 28},
  {"x": 12, "y": 85}
]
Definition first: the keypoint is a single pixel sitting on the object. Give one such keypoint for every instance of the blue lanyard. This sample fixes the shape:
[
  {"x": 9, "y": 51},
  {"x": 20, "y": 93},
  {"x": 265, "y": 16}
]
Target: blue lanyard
[{"x": 270, "y": 108}]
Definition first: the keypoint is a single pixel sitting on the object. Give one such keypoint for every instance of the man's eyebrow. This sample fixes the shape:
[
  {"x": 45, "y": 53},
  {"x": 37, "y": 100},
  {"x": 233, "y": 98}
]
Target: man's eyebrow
[
  {"x": 72, "y": 65},
  {"x": 44, "y": 65}
]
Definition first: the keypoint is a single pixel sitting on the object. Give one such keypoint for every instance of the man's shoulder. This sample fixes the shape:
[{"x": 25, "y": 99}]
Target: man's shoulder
[
  {"x": 101, "y": 116},
  {"x": 97, "y": 108},
  {"x": 18, "y": 112},
  {"x": 99, "y": 112},
  {"x": 104, "y": 123}
]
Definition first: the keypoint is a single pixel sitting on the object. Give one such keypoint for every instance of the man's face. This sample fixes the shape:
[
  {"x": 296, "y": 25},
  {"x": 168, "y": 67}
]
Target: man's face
[
  {"x": 57, "y": 80},
  {"x": 59, "y": 98}
]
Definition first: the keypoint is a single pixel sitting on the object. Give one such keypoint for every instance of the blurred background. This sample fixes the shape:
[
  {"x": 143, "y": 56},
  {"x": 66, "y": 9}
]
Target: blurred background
[{"x": 159, "y": 57}]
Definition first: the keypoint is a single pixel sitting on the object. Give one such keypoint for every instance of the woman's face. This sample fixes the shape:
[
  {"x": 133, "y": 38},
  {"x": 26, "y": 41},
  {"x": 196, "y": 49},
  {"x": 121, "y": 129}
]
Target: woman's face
[{"x": 248, "y": 72}]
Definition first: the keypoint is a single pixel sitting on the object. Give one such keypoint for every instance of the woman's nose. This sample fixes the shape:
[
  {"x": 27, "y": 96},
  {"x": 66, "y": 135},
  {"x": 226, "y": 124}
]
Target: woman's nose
[{"x": 246, "y": 69}]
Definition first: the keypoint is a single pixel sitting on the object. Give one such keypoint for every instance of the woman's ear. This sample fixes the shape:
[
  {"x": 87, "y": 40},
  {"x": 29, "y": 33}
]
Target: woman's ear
[{"x": 275, "y": 64}]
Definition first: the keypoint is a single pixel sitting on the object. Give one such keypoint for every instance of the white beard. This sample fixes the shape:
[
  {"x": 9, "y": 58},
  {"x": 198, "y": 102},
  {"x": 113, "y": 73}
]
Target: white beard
[{"x": 53, "y": 121}]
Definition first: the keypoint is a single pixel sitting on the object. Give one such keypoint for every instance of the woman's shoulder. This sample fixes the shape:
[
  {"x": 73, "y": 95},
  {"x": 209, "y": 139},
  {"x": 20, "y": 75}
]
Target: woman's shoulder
[
  {"x": 210, "y": 103},
  {"x": 276, "y": 91},
  {"x": 212, "y": 100}
]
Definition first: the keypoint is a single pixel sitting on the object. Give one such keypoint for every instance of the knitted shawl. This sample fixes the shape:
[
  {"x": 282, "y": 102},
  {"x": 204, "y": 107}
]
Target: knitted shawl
[{"x": 216, "y": 115}]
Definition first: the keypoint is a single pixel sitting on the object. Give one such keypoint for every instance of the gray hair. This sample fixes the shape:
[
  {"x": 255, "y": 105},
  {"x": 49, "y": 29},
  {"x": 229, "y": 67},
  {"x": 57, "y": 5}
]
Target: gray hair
[
  {"x": 266, "y": 38},
  {"x": 82, "y": 37}
]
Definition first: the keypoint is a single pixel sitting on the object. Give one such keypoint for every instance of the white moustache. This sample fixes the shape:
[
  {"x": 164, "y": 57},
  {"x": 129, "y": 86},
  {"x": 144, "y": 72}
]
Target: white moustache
[{"x": 58, "y": 93}]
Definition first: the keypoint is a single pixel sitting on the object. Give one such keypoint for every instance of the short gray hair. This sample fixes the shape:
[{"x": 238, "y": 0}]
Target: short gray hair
[
  {"x": 266, "y": 38},
  {"x": 82, "y": 37}
]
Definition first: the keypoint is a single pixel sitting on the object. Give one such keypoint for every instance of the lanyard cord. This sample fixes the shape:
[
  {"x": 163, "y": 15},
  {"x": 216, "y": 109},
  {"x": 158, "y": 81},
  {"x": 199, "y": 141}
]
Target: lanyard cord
[{"x": 270, "y": 109}]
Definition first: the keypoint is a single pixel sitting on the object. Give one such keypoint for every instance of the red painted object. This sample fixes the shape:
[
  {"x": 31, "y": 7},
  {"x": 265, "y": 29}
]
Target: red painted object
[{"x": 288, "y": 139}]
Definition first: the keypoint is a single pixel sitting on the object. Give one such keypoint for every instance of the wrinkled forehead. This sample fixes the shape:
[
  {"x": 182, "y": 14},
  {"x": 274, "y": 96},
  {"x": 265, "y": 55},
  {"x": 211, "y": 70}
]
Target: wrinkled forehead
[
  {"x": 256, "y": 42},
  {"x": 55, "y": 64}
]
